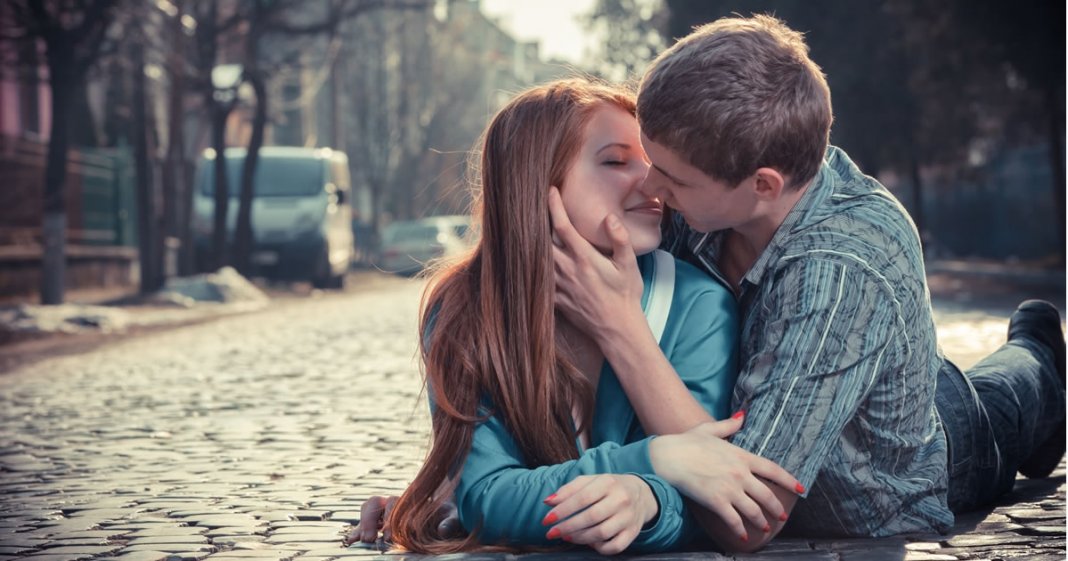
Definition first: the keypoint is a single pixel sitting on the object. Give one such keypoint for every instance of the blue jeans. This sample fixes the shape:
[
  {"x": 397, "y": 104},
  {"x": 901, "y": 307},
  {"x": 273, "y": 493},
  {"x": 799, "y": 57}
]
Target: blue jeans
[{"x": 995, "y": 416}]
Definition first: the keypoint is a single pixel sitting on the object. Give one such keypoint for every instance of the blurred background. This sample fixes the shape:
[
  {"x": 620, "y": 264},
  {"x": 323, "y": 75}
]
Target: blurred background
[{"x": 143, "y": 140}]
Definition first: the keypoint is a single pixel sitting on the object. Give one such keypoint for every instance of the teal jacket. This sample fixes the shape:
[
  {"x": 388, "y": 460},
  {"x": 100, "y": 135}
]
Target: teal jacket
[{"x": 500, "y": 496}]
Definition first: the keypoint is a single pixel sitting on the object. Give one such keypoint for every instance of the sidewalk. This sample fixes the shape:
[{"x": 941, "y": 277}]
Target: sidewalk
[{"x": 257, "y": 437}]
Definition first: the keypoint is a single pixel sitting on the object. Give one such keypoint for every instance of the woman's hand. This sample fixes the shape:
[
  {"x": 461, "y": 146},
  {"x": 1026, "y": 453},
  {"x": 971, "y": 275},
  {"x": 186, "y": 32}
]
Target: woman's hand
[
  {"x": 373, "y": 516},
  {"x": 731, "y": 482},
  {"x": 605, "y": 512}
]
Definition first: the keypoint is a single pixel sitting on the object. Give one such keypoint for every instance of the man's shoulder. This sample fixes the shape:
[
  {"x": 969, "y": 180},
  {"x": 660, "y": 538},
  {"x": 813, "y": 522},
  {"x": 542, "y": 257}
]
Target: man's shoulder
[{"x": 859, "y": 222}]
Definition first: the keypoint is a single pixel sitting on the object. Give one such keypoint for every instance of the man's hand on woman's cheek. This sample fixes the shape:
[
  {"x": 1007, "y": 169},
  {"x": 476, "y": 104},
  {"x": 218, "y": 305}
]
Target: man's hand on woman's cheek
[
  {"x": 594, "y": 291},
  {"x": 742, "y": 489}
]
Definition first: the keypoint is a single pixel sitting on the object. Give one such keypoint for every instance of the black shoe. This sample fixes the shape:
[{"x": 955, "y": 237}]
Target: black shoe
[{"x": 1039, "y": 321}]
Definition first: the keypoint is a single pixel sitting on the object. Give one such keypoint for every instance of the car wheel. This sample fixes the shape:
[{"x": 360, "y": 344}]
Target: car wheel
[{"x": 324, "y": 278}]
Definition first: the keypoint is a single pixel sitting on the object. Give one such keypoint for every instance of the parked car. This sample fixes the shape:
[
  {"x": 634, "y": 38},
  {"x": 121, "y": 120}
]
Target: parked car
[
  {"x": 408, "y": 246},
  {"x": 301, "y": 214}
]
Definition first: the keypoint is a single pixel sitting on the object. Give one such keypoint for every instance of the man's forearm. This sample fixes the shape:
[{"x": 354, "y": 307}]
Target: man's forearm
[
  {"x": 725, "y": 538},
  {"x": 659, "y": 397}
]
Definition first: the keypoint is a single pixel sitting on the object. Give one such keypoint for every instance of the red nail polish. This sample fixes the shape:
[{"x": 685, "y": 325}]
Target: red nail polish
[
  {"x": 553, "y": 534},
  {"x": 566, "y": 539},
  {"x": 549, "y": 498},
  {"x": 745, "y": 537},
  {"x": 767, "y": 528},
  {"x": 783, "y": 517},
  {"x": 800, "y": 489},
  {"x": 550, "y": 518},
  {"x": 738, "y": 415}
]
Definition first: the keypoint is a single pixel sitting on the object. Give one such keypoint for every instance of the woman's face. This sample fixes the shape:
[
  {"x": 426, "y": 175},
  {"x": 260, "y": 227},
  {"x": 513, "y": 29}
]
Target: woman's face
[{"x": 604, "y": 179}]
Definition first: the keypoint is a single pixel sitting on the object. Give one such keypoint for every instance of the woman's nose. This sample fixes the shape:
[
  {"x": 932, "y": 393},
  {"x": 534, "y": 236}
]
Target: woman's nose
[{"x": 641, "y": 172}]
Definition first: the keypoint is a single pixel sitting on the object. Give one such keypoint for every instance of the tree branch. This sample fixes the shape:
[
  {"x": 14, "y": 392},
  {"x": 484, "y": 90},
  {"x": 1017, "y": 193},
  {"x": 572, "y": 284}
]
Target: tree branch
[
  {"x": 95, "y": 16},
  {"x": 338, "y": 15}
]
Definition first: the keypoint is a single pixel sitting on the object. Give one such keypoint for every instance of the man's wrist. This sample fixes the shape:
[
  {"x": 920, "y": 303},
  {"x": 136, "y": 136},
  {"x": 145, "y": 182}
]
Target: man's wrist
[{"x": 624, "y": 335}]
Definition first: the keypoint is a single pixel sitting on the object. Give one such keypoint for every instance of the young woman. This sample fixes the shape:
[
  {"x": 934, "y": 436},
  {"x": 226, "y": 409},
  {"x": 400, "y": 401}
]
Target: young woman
[{"x": 530, "y": 425}]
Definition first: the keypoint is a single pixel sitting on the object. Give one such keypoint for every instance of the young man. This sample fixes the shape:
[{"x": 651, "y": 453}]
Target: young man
[{"x": 842, "y": 382}]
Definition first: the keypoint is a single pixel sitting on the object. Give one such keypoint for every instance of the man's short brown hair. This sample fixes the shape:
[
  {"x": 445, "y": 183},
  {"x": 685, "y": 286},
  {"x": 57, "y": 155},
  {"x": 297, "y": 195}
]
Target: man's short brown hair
[{"x": 736, "y": 95}]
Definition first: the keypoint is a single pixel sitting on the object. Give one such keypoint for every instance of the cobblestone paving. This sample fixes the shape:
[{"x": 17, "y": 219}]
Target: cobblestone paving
[{"x": 257, "y": 438}]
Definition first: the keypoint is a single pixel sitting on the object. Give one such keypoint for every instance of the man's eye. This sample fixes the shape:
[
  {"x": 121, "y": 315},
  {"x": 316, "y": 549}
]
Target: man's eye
[{"x": 615, "y": 163}]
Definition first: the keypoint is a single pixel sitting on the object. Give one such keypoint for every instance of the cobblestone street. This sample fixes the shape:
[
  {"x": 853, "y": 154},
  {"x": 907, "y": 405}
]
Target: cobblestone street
[{"x": 257, "y": 437}]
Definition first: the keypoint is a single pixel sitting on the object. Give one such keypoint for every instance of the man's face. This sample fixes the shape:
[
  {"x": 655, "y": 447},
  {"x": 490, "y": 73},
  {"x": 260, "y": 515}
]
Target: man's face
[{"x": 707, "y": 205}]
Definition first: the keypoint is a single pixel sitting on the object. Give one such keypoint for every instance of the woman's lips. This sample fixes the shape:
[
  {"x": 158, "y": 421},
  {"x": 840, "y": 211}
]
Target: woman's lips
[{"x": 649, "y": 207}]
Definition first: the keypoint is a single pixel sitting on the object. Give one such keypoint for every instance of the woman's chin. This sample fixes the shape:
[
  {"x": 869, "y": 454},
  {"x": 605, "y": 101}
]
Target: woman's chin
[{"x": 645, "y": 244}]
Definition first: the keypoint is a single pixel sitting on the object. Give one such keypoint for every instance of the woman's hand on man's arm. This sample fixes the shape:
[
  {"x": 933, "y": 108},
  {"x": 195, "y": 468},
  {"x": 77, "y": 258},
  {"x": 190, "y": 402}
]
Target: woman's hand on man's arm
[{"x": 744, "y": 499}]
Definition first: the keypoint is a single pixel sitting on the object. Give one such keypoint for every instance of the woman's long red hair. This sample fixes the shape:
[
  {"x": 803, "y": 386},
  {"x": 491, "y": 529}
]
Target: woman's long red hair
[{"x": 488, "y": 321}]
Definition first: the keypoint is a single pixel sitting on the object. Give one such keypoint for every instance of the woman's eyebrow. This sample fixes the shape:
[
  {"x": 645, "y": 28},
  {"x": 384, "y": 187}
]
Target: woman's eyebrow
[{"x": 623, "y": 145}]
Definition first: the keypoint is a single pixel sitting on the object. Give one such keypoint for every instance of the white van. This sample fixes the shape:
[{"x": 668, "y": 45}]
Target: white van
[{"x": 301, "y": 216}]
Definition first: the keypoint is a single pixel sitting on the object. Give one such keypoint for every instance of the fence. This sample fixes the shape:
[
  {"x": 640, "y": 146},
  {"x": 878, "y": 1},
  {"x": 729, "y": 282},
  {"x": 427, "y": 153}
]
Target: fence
[
  {"x": 1003, "y": 209},
  {"x": 101, "y": 216}
]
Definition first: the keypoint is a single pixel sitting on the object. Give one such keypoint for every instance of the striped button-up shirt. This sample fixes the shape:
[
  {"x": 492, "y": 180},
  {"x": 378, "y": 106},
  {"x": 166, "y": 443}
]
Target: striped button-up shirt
[{"x": 839, "y": 358}]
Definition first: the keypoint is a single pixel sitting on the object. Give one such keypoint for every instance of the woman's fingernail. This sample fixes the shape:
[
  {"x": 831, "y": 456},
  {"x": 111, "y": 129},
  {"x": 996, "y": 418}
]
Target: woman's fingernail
[
  {"x": 566, "y": 538},
  {"x": 549, "y": 498},
  {"x": 767, "y": 528},
  {"x": 745, "y": 537},
  {"x": 553, "y": 534},
  {"x": 738, "y": 415},
  {"x": 800, "y": 489},
  {"x": 783, "y": 517},
  {"x": 550, "y": 518}
]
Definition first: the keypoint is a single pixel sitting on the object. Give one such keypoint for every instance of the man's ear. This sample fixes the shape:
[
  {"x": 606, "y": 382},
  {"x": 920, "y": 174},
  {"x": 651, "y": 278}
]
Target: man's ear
[{"x": 769, "y": 183}]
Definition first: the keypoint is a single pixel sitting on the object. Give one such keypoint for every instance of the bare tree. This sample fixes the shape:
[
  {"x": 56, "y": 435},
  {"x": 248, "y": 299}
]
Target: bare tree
[
  {"x": 73, "y": 33},
  {"x": 419, "y": 95}
]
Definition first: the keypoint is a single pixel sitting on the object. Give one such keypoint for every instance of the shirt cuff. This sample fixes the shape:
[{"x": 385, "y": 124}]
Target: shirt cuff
[{"x": 672, "y": 526}]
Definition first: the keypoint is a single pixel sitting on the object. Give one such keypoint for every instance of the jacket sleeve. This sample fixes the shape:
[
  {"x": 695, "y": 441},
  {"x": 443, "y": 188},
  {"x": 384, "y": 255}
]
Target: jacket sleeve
[{"x": 499, "y": 497}]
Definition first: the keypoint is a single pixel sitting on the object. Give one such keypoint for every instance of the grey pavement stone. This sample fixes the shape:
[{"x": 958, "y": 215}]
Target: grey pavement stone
[
  {"x": 169, "y": 548},
  {"x": 221, "y": 520},
  {"x": 59, "y": 557},
  {"x": 925, "y": 556},
  {"x": 257, "y": 555},
  {"x": 17, "y": 549},
  {"x": 306, "y": 538},
  {"x": 166, "y": 531},
  {"x": 237, "y": 531},
  {"x": 187, "y": 539},
  {"x": 140, "y": 556}
]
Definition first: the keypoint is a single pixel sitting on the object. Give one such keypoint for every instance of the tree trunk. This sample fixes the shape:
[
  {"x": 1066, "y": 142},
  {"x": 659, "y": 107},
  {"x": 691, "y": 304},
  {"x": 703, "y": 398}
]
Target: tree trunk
[
  {"x": 147, "y": 231},
  {"x": 917, "y": 201},
  {"x": 175, "y": 211},
  {"x": 187, "y": 265},
  {"x": 1054, "y": 104},
  {"x": 54, "y": 225},
  {"x": 219, "y": 246},
  {"x": 243, "y": 235}
]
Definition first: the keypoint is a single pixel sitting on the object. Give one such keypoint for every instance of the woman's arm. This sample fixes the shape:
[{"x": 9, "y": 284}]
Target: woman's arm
[{"x": 503, "y": 499}]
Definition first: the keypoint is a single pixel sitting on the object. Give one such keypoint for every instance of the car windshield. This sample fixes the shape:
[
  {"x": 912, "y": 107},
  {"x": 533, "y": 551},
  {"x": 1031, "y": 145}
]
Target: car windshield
[
  {"x": 275, "y": 177},
  {"x": 409, "y": 232}
]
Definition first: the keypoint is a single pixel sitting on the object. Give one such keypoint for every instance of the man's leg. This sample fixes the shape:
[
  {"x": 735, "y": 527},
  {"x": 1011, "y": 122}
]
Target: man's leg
[{"x": 1007, "y": 413}]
